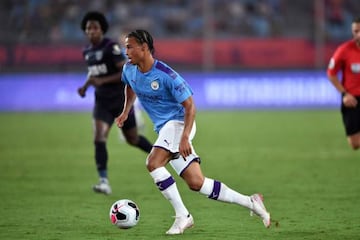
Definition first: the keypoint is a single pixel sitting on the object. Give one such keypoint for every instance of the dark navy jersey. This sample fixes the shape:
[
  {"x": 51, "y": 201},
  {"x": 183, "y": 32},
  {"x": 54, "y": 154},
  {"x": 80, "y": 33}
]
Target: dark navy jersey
[{"x": 102, "y": 60}]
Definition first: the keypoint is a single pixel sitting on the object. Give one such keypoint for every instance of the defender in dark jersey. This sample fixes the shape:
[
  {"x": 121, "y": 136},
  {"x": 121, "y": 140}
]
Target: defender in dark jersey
[{"x": 105, "y": 59}]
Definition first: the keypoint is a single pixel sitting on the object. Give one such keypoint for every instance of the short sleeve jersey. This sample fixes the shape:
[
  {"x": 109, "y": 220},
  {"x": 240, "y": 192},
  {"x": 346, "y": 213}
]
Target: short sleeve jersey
[
  {"x": 160, "y": 91},
  {"x": 347, "y": 60},
  {"x": 102, "y": 61}
]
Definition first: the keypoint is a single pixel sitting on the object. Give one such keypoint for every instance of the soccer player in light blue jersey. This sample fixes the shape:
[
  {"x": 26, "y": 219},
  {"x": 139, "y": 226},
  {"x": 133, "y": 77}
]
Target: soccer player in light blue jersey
[{"x": 167, "y": 98}]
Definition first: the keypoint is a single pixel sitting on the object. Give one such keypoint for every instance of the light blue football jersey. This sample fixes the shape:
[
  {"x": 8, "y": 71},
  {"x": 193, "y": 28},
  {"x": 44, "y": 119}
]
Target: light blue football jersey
[{"x": 160, "y": 91}]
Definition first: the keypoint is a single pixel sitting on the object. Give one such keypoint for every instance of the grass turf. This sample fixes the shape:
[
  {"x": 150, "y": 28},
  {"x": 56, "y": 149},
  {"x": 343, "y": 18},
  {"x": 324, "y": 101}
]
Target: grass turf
[{"x": 299, "y": 160}]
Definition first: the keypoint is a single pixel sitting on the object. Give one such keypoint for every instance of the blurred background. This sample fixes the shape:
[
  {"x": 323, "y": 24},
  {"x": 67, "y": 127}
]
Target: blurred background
[{"x": 200, "y": 39}]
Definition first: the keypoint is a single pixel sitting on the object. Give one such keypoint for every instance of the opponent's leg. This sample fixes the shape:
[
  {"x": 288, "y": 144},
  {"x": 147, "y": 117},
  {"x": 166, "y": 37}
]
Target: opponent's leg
[
  {"x": 101, "y": 131},
  {"x": 132, "y": 138},
  {"x": 131, "y": 134}
]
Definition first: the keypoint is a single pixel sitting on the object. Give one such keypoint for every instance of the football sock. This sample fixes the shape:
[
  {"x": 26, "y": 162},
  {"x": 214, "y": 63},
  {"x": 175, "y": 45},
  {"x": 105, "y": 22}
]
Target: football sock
[
  {"x": 167, "y": 185},
  {"x": 104, "y": 180},
  {"x": 219, "y": 191},
  {"x": 102, "y": 174},
  {"x": 144, "y": 144},
  {"x": 101, "y": 157}
]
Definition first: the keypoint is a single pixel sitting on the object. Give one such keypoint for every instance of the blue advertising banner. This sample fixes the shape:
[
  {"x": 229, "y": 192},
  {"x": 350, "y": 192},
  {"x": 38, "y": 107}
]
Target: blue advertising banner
[{"x": 212, "y": 91}]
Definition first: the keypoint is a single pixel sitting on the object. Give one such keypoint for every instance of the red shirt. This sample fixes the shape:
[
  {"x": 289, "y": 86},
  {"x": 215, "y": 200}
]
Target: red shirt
[{"x": 347, "y": 60}]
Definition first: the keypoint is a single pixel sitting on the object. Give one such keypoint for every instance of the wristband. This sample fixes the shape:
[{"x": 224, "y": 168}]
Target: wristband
[{"x": 343, "y": 94}]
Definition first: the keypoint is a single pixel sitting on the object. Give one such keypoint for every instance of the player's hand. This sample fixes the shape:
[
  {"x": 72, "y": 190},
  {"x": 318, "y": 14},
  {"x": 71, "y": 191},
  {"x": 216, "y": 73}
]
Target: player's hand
[
  {"x": 185, "y": 147},
  {"x": 349, "y": 100},
  {"x": 121, "y": 119},
  {"x": 82, "y": 91}
]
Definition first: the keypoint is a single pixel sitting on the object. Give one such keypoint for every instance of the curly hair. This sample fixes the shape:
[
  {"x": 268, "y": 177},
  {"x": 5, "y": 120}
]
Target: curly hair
[{"x": 95, "y": 16}]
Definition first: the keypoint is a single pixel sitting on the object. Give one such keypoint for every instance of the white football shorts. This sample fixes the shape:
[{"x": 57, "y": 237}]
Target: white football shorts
[{"x": 169, "y": 138}]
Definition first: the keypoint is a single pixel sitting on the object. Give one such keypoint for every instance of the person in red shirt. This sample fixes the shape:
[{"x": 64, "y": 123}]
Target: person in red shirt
[{"x": 346, "y": 60}]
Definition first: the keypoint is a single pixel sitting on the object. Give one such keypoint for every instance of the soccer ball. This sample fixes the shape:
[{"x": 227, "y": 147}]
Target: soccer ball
[{"x": 124, "y": 214}]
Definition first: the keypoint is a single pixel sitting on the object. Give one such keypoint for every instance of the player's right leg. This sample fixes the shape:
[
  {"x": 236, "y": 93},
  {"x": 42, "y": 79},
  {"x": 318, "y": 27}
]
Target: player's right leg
[
  {"x": 354, "y": 141},
  {"x": 351, "y": 121},
  {"x": 101, "y": 125},
  {"x": 102, "y": 186},
  {"x": 155, "y": 164},
  {"x": 101, "y": 131}
]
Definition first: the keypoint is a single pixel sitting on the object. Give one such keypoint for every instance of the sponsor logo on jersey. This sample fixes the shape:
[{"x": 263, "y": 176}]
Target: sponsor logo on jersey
[
  {"x": 355, "y": 67},
  {"x": 97, "y": 70}
]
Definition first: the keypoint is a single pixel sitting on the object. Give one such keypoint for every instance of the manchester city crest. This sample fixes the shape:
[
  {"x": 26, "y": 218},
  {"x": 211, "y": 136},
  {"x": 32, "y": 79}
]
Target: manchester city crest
[{"x": 155, "y": 85}]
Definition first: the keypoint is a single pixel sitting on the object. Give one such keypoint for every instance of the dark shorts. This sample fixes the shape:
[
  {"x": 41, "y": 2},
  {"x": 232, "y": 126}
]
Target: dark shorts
[
  {"x": 351, "y": 118},
  {"x": 108, "y": 113}
]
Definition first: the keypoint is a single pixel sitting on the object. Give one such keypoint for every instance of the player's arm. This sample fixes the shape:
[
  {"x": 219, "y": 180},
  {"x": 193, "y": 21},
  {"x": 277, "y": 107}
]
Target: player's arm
[
  {"x": 335, "y": 64},
  {"x": 82, "y": 90},
  {"x": 348, "y": 99},
  {"x": 98, "y": 81},
  {"x": 130, "y": 97},
  {"x": 336, "y": 83},
  {"x": 332, "y": 74},
  {"x": 190, "y": 112}
]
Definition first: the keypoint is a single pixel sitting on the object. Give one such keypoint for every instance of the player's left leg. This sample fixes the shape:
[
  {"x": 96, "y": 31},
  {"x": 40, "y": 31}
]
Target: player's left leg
[{"x": 217, "y": 190}]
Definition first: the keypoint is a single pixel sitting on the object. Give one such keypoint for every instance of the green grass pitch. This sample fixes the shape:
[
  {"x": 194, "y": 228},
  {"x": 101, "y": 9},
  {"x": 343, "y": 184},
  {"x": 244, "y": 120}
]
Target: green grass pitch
[{"x": 299, "y": 160}]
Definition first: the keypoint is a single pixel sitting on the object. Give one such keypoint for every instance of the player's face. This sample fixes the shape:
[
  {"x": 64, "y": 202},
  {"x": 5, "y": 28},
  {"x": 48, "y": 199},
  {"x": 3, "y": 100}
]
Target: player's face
[
  {"x": 355, "y": 28},
  {"x": 93, "y": 31},
  {"x": 134, "y": 50}
]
